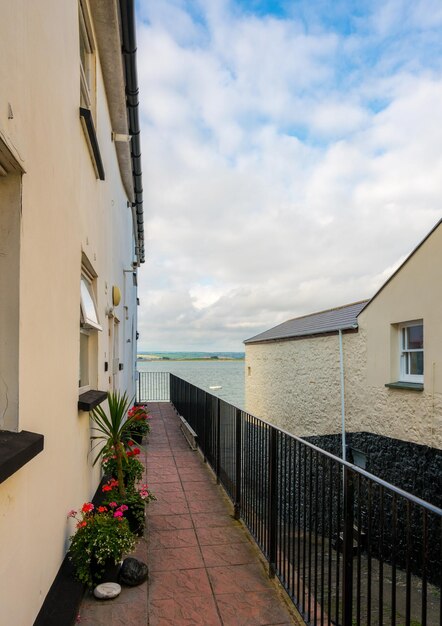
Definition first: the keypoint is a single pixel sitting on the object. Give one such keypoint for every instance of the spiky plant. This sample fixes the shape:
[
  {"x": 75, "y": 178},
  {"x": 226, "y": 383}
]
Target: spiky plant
[{"x": 113, "y": 430}]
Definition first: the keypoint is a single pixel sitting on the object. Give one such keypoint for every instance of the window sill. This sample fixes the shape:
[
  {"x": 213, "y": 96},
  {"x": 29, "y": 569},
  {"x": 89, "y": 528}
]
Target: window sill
[
  {"x": 90, "y": 399},
  {"x": 405, "y": 385},
  {"x": 17, "y": 449}
]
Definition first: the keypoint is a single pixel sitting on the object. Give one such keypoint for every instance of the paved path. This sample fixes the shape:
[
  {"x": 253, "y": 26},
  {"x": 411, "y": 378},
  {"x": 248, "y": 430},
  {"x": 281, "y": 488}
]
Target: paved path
[{"x": 204, "y": 568}]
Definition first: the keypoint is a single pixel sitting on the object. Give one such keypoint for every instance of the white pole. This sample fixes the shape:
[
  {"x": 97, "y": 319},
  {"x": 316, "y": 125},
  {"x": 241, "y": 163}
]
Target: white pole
[{"x": 341, "y": 358}]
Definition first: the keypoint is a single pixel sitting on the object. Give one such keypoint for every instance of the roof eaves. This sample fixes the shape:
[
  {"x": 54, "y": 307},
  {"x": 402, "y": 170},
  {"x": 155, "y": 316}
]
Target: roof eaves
[{"x": 322, "y": 331}]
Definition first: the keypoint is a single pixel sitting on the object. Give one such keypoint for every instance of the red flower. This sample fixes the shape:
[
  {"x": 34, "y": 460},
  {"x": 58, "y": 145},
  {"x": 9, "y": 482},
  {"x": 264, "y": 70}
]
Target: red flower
[
  {"x": 136, "y": 451},
  {"x": 102, "y": 509},
  {"x": 106, "y": 488},
  {"x": 87, "y": 507}
]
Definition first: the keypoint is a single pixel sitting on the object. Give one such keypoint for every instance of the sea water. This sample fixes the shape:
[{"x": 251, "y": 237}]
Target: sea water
[{"x": 229, "y": 375}]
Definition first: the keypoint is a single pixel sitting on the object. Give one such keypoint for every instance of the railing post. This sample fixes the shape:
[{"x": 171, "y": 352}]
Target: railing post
[
  {"x": 273, "y": 499},
  {"x": 204, "y": 429},
  {"x": 196, "y": 412},
  {"x": 218, "y": 440},
  {"x": 347, "y": 583},
  {"x": 238, "y": 455}
]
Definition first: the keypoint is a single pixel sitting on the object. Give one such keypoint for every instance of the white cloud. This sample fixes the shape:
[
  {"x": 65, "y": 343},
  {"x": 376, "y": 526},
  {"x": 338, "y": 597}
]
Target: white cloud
[{"x": 273, "y": 185}]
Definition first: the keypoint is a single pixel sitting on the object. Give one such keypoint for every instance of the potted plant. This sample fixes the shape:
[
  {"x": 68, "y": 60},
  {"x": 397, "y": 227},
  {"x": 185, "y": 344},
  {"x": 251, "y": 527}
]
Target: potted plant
[
  {"x": 114, "y": 431},
  {"x": 131, "y": 467},
  {"x": 133, "y": 503},
  {"x": 140, "y": 422},
  {"x": 102, "y": 537}
]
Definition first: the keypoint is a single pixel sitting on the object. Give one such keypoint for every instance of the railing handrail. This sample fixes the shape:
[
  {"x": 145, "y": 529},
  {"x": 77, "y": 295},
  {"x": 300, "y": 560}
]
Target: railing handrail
[
  {"x": 343, "y": 542},
  {"x": 380, "y": 481}
]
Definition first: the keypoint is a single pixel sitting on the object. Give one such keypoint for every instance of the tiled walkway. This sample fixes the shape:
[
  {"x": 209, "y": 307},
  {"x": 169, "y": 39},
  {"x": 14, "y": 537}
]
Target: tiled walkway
[{"x": 204, "y": 568}]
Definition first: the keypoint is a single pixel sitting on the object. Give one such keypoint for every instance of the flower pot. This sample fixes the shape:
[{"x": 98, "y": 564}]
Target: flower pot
[
  {"x": 106, "y": 572},
  {"x": 135, "y": 525},
  {"x": 138, "y": 438}
]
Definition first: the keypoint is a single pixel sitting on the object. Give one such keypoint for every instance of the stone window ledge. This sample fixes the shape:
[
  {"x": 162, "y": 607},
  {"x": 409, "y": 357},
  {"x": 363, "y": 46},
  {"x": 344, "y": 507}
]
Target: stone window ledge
[
  {"x": 17, "y": 449},
  {"x": 404, "y": 385},
  {"x": 90, "y": 399}
]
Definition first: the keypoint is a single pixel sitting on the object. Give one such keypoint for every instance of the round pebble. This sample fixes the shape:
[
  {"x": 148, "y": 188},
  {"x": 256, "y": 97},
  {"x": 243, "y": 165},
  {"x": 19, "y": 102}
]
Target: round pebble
[{"x": 107, "y": 591}]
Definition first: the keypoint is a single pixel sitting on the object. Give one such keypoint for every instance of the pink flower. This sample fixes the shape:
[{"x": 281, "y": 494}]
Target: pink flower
[
  {"x": 72, "y": 513},
  {"x": 112, "y": 504},
  {"x": 118, "y": 514},
  {"x": 123, "y": 507}
]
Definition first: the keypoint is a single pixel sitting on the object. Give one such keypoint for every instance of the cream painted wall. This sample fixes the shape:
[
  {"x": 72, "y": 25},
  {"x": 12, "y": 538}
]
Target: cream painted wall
[
  {"x": 295, "y": 384},
  {"x": 65, "y": 210},
  {"x": 413, "y": 293}
]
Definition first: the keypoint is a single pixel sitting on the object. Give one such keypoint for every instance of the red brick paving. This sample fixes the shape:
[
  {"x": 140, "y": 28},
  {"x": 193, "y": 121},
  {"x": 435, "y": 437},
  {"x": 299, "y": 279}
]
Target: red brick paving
[{"x": 203, "y": 567}]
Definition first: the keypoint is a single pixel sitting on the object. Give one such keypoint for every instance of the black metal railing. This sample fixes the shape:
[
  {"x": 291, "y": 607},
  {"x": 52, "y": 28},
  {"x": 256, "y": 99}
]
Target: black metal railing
[
  {"x": 153, "y": 387},
  {"x": 348, "y": 547}
]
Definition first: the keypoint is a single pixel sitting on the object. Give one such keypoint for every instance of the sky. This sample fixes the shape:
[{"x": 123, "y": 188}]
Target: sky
[{"x": 292, "y": 158}]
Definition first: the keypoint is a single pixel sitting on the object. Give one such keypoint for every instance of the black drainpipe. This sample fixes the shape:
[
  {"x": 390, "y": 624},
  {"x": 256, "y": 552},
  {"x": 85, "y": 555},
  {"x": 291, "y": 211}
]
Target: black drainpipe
[{"x": 129, "y": 51}]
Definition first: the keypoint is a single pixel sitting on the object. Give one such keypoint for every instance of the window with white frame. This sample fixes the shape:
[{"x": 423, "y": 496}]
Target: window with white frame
[
  {"x": 412, "y": 351},
  {"x": 87, "y": 59},
  {"x": 89, "y": 325}
]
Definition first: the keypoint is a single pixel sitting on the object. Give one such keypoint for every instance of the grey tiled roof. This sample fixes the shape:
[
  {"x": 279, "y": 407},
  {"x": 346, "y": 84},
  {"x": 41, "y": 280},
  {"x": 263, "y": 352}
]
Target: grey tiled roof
[{"x": 341, "y": 318}]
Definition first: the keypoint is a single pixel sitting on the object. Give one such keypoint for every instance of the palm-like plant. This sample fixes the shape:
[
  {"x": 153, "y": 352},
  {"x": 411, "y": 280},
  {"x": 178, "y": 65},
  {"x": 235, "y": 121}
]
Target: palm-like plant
[{"x": 113, "y": 430}]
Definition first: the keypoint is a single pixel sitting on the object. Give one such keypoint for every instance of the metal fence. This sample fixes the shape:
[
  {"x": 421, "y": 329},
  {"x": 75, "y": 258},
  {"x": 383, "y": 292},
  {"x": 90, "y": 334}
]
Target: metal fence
[
  {"x": 153, "y": 387},
  {"x": 349, "y": 548}
]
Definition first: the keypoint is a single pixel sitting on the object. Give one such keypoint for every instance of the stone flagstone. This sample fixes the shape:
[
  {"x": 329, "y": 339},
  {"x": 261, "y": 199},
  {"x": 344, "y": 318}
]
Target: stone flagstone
[{"x": 203, "y": 566}]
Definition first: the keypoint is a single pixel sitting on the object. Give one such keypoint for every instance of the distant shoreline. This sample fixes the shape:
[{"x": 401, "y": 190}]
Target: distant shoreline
[{"x": 144, "y": 359}]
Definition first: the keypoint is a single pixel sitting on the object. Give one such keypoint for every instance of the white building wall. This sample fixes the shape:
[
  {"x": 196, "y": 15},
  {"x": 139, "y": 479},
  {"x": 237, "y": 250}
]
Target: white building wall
[
  {"x": 296, "y": 384},
  {"x": 65, "y": 211}
]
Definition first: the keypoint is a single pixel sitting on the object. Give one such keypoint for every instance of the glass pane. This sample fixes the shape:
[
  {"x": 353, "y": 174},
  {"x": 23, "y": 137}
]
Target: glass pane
[
  {"x": 416, "y": 360},
  {"x": 88, "y": 306},
  {"x": 84, "y": 361},
  {"x": 415, "y": 337}
]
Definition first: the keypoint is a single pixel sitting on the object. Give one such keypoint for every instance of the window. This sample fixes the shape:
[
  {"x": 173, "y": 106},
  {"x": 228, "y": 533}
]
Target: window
[
  {"x": 89, "y": 325},
  {"x": 88, "y": 107},
  {"x": 412, "y": 351},
  {"x": 87, "y": 59},
  {"x": 10, "y": 228},
  {"x": 88, "y": 308}
]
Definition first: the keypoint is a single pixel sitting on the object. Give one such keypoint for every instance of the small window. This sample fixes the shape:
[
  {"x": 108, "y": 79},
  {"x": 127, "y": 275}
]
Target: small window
[
  {"x": 412, "y": 352},
  {"x": 89, "y": 315},
  {"x": 89, "y": 325},
  {"x": 83, "y": 375},
  {"x": 87, "y": 59}
]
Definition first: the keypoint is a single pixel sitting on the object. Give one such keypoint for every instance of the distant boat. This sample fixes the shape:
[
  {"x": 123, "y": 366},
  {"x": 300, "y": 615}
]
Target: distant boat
[{"x": 215, "y": 387}]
